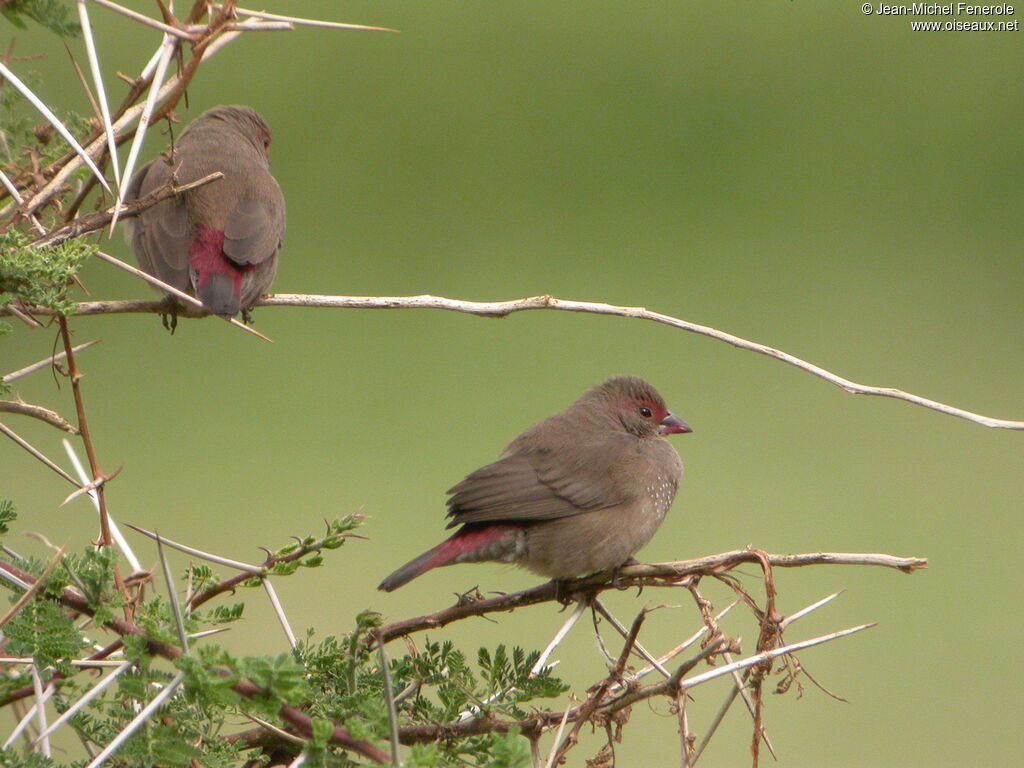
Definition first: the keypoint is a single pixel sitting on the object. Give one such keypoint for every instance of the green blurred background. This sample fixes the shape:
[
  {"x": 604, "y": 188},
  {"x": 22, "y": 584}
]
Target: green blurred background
[{"x": 798, "y": 173}]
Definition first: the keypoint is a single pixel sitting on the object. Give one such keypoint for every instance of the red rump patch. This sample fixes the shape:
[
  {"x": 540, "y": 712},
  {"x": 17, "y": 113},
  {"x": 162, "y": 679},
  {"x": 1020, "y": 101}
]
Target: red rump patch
[
  {"x": 206, "y": 256},
  {"x": 466, "y": 541}
]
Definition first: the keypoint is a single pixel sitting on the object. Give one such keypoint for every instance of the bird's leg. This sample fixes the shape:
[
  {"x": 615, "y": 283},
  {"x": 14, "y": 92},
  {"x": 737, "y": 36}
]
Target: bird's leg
[
  {"x": 169, "y": 314},
  {"x": 564, "y": 593},
  {"x": 247, "y": 317},
  {"x": 617, "y": 573}
]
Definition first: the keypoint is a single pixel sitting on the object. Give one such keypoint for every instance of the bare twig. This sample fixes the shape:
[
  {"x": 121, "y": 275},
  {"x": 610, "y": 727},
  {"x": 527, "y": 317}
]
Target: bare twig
[
  {"x": 119, "y": 538},
  {"x": 309, "y": 22},
  {"x": 389, "y": 698},
  {"x": 45, "y": 363},
  {"x": 92, "y": 222},
  {"x": 655, "y": 574},
  {"x": 52, "y": 418},
  {"x": 505, "y": 308},
  {"x": 101, "y": 92},
  {"x": 53, "y": 120},
  {"x": 138, "y": 721},
  {"x": 92, "y": 693},
  {"x": 32, "y": 590},
  {"x": 83, "y": 427},
  {"x": 179, "y": 295},
  {"x": 141, "y": 19},
  {"x": 4, "y": 429},
  {"x": 169, "y": 45}
]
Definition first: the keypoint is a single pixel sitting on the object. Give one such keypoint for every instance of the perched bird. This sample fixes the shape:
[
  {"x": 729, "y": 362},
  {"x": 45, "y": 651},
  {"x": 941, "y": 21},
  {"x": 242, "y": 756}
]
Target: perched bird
[
  {"x": 218, "y": 242},
  {"x": 578, "y": 493}
]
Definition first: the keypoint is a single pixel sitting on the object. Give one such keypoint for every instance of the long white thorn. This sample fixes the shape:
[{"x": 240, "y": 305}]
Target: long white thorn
[
  {"x": 25, "y": 91},
  {"x": 166, "y": 52},
  {"x": 89, "y": 695},
  {"x": 101, "y": 93},
  {"x": 281, "y": 617},
  {"x": 115, "y": 532},
  {"x": 137, "y": 722}
]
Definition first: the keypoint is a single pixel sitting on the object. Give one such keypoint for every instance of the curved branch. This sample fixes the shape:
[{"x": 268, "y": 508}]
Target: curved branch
[
  {"x": 505, "y": 308},
  {"x": 52, "y": 418},
  {"x": 640, "y": 575},
  {"x": 91, "y": 222}
]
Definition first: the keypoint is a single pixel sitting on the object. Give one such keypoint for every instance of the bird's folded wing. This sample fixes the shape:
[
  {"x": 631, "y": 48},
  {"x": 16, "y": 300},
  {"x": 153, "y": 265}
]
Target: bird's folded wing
[
  {"x": 254, "y": 229},
  {"x": 161, "y": 236},
  {"x": 544, "y": 484}
]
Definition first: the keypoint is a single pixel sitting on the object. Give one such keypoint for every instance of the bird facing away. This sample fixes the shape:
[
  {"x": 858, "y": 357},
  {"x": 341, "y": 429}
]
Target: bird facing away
[
  {"x": 578, "y": 493},
  {"x": 218, "y": 242}
]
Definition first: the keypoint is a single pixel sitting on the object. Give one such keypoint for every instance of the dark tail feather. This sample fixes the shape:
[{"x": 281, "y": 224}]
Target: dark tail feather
[
  {"x": 217, "y": 292},
  {"x": 439, "y": 555}
]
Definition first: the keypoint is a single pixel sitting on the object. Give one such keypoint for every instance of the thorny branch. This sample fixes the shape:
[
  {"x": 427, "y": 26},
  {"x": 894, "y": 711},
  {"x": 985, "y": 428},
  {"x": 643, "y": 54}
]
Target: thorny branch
[
  {"x": 613, "y": 695},
  {"x": 655, "y": 574},
  {"x": 505, "y": 308},
  {"x": 125, "y": 628},
  {"x": 92, "y": 222}
]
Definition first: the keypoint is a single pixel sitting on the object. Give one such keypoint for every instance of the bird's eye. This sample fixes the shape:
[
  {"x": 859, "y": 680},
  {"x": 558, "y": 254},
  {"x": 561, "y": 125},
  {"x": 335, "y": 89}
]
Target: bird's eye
[{"x": 645, "y": 411}]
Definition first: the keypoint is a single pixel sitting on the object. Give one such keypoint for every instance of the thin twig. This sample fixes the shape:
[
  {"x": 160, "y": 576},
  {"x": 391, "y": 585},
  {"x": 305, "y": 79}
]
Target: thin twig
[
  {"x": 83, "y": 428},
  {"x": 656, "y": 574},
  {"x": 251, "y": 570},
  {"x": 389, "y": 698},
  {"x": 279, "y": 611},
  {"x": 308, "y": 22},
  {"x": 92, "y": 222},
  {"x": 44, "y": 415},
  {"x": 53, "y": 120},
  {"x": 101, "y": 93},
  {"x": 574, "y": 617},
  {"x": 135, "y": 16},
  {"x": 179, "y": 620},
  {"x": 638, "y": 649},
  {"x": 26, "y": 720},
  {"x": 4, "y": 429},
  {"x": 167, "y": 51},
  {"x": 505, "y": 308},
  {"x": 31, "y": 592},
  {"x": 37, "y": 682},
  {"x": 46, "y": 362},
  {"x": 115, "y": 531},
  {"x": 138, "y": 721},
  {"x": 179, "y": 295},
  {"x": 92, "y": 693}
]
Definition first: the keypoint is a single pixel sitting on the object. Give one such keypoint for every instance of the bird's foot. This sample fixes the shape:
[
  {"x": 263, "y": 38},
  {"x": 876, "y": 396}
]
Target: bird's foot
[
  {"x": 169, "y": 314},
  {"x": 247, "y": 317},
  {"x": 563, "y": 592},
  {"x": 617, "y": 574}
]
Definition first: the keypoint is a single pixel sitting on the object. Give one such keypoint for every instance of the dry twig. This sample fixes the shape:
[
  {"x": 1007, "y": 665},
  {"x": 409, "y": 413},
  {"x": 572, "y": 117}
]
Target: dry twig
[{"x": 505, "y": 308}]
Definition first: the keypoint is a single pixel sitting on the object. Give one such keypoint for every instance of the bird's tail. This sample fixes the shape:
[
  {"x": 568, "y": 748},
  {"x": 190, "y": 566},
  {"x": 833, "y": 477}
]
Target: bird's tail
[
  {"x": 470, "y": 545},
  {"x": 432, "y": 558}
]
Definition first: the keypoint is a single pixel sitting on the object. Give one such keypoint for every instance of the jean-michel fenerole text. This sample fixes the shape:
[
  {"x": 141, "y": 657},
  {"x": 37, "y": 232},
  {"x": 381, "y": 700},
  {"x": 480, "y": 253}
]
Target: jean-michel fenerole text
[{"x": 937, "y": 9}]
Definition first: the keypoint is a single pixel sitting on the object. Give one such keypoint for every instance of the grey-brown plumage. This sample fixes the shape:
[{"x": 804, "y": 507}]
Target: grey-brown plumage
[
  {"x": 218, "y": 242},
  {"x": 578, "y": 493}
]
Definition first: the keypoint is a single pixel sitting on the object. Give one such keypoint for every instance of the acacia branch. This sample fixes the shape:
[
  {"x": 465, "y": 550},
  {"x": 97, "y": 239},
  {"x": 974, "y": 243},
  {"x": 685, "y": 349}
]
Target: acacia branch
[
  {"x": 52, "y": 418},
  {"x": 91, "y": 222},
  {"x": 297, "y": 719},
  {"x": 505, "y": 308},
  {"x": 641, "y": 575}
]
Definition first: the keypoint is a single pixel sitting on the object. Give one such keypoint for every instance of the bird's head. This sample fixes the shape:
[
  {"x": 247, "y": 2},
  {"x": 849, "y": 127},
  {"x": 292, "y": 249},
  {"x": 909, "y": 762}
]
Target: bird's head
[
  {"x": 243, "y": 120},
  {"x": 638, "y": 407}
]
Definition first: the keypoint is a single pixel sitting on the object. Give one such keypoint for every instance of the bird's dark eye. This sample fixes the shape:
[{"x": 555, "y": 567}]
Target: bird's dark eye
[{"x": 645, "y": 411}]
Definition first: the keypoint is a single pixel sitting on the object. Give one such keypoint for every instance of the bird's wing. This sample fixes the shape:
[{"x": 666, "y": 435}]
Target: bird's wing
[
  {"x": 545, "y": 484},
  {"x": 254, "y": 230},
  {"x": 161, "y": 235}
]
